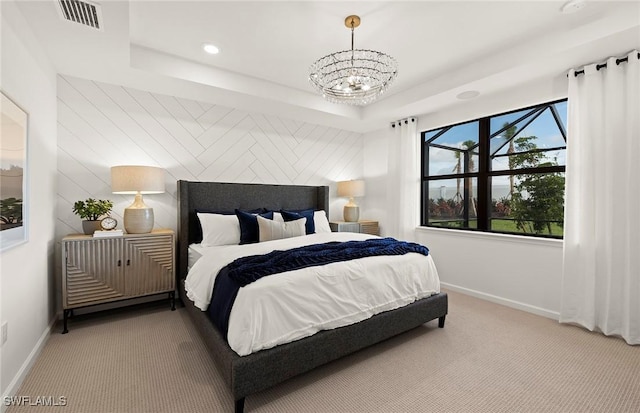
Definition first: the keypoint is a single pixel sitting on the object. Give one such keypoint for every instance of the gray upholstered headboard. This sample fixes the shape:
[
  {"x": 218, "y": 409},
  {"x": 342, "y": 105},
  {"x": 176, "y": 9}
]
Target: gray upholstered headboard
[{"x": 226, "y": 197}]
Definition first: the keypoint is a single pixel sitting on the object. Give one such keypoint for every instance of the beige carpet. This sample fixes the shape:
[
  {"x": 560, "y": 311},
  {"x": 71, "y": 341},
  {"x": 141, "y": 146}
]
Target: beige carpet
[{"x": 488, "y": 358}]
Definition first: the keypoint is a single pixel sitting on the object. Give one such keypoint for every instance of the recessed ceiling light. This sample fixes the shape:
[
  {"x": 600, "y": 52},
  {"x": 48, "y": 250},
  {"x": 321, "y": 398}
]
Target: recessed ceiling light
[
  {"x": 469, "y": 94},
  {"x": 211, "y": 49},
  {"x": 573, "y": 6}
]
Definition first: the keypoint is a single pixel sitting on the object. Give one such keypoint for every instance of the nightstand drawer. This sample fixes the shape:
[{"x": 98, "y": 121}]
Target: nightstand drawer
[
  {"x": 344, "y": 226},
  {"x": 369, "y": 227},
  {"x": 364, "y": 227}
]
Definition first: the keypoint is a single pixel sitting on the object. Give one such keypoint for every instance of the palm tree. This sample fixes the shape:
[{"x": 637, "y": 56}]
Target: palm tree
[
  {"x": 458, "y": 169},
  {"x": 508, "y": 135},
  {"x": 468, "y": 145}
]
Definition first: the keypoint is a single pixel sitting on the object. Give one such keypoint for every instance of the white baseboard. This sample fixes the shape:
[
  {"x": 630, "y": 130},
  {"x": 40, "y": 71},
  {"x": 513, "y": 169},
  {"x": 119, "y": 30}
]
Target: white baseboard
[
  {"x": 26, "y": 366},
  {"x": 504, "y": 301}
]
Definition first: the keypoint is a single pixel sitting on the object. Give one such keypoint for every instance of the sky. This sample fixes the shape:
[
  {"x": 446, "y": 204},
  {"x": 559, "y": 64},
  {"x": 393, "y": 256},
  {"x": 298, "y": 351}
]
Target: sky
[
  {"x": 13, "y": 127},
  {"x": 544, "y": 127}
]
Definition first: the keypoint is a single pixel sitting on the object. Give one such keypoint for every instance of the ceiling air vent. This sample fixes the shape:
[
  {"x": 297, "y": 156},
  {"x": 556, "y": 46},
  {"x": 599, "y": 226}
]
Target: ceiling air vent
[{"x": 83, "y": 12}]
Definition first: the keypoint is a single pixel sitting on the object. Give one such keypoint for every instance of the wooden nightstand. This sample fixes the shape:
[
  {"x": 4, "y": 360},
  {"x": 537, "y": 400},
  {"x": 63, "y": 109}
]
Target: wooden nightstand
[
  {"x": 364, "y": 227},
  {"x": 107, "y": 269}
]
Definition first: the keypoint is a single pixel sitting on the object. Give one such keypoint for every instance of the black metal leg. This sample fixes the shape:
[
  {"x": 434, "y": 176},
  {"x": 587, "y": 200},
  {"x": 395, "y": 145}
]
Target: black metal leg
[
  {"x": 65, "y": 316},
  {"x": 172, "y": 297},
  {"x": 441, "y": 321},
  {"x": 240, "y": 406}
]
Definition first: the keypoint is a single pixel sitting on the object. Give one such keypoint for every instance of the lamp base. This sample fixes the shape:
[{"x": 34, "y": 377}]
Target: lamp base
[
  {"x": 138, "y": 220},
  {"x": 351, "y": 213}
]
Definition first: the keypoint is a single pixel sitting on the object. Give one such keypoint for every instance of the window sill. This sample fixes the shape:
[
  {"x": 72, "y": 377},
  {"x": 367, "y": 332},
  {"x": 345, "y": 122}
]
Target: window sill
[{"x": 547, "y": 242}]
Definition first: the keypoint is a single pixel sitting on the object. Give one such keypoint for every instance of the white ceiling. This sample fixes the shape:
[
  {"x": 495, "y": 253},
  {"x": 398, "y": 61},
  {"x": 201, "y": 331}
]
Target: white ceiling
[{"x": 443, "y": 48}]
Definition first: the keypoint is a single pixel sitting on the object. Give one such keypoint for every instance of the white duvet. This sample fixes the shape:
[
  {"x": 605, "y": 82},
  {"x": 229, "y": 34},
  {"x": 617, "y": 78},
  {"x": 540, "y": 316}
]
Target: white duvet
[{"x": 292, "y": 305}]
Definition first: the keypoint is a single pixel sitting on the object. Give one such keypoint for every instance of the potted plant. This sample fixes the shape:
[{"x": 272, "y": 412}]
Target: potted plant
[{"x": 90, "y": 211}]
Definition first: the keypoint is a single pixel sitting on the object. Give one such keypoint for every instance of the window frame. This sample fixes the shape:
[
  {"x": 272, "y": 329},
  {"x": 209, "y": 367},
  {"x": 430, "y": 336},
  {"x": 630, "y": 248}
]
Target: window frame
[{"x": 484, "y": 172}]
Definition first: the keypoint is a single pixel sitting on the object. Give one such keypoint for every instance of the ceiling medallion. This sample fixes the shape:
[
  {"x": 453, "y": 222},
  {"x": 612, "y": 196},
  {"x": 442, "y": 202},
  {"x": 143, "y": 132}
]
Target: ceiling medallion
[{"x": 354, "y": 77}]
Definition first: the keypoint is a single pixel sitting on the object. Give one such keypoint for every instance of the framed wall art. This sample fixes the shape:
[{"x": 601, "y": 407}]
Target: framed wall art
[{"x": 13, "y": 167}]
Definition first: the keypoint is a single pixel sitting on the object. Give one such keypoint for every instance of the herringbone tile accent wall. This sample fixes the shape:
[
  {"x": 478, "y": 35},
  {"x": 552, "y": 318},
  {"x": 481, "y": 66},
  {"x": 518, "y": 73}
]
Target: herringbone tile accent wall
[{"x": 101, "y": 125}]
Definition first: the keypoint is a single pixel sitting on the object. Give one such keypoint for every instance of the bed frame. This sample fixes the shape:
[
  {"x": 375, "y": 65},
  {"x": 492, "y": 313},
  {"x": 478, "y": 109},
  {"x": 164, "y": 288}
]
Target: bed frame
[{"x": 258, "y": 371}]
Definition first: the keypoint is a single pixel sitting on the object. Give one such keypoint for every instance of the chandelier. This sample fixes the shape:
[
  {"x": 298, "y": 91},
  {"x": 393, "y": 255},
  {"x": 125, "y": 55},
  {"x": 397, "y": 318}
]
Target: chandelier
[{"x": 354, "y": 77}]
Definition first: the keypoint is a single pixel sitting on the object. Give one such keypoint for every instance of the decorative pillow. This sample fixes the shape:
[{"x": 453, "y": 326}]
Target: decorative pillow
[
  {"x": 218, "y": 229},
  {"x": 321, "y": 222},
  {"x": 304, "y": 213},
  {"x": 232, "y": 212},
  {"x": 249, "y": 225},
  {"x": 270, "y": 230}
]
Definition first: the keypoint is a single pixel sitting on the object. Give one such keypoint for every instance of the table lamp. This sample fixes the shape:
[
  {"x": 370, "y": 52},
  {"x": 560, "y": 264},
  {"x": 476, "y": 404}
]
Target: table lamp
[
  {"x": 138, "y": 180},
  {"x": 351, "y": 189}
]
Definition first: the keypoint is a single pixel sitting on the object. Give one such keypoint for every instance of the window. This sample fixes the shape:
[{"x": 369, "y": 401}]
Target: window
[{"x": 501, "y": 173}]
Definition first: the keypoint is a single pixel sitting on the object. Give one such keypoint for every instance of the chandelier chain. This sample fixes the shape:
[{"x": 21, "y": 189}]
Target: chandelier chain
[{"x": 353, "y": 29}]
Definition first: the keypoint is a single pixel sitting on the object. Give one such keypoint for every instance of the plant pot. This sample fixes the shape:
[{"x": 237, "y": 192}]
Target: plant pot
[{"x": 89, "y": 227}]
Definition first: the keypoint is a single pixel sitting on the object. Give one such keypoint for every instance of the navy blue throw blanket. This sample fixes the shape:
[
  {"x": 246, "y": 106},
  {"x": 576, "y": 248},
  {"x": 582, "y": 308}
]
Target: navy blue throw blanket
[{"x": 246, "y": 270}]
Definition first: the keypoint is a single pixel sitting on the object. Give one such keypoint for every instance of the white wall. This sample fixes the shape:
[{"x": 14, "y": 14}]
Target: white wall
[
  {"x": 102, "y": 125},
  {"x": 26, "y": 279},
  {"x": 517, "y": 271},
  {"x": 374, "y": 206}
]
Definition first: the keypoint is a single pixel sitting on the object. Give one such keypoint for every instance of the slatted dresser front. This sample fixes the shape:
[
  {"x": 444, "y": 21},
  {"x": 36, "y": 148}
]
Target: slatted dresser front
[{"x": 107, "y": 269}]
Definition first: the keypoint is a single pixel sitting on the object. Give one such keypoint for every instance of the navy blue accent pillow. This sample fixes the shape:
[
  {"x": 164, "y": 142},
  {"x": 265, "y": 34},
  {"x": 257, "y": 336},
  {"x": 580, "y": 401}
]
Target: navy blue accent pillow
[
  {"x": 310, "y": 226},
  {"x": 249, "y": 225}
]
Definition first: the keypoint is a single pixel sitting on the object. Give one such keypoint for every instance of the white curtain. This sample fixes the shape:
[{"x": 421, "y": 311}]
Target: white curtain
[
  {"x": 601, "y": 280},
  {"x": 403, "y": 180}
]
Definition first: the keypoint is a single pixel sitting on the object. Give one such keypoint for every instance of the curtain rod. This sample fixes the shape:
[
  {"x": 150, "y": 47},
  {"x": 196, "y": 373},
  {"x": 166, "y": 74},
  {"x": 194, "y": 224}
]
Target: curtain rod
[
  {"x": 399, "y": 122},
  {"x": 603, "y": 65}
]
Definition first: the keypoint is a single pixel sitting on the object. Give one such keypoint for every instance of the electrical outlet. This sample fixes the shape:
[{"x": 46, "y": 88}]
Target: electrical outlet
[{"x": 5, "y": 332}]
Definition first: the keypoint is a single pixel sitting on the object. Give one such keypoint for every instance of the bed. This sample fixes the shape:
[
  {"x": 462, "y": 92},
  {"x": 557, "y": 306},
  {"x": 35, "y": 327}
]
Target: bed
[{"x": 261, "y": 370}]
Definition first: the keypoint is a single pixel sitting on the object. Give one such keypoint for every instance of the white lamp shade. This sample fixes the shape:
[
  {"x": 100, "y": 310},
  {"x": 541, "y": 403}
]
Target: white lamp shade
[
  {"x": 131, "y": 179},
  {"x": 351, "y": 189}
]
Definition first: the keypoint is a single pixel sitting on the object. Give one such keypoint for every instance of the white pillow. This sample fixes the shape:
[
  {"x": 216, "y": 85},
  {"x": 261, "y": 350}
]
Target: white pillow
[
  {"x": 321, "y": 222},
  {"x": 270, "y": 229},
  {"x": 219, "y": 229}
]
